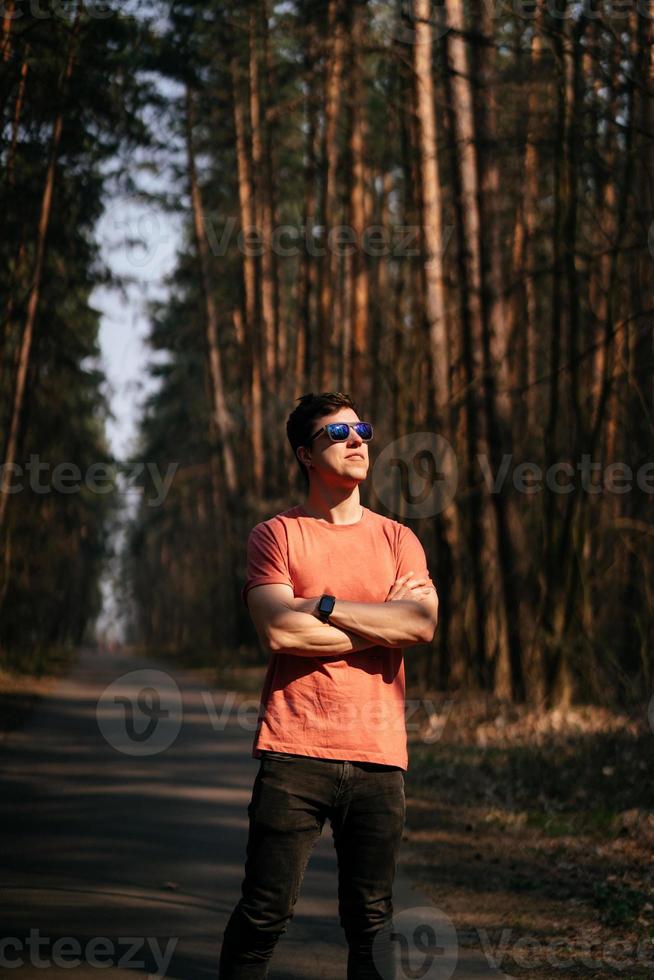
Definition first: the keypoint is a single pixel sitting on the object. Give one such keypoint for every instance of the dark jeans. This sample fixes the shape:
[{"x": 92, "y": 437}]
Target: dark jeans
[{"x": 291, "y": 797}]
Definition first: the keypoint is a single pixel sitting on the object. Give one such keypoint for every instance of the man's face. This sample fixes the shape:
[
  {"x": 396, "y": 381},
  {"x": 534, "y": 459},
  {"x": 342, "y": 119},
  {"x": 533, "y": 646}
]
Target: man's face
[{"x": 339, "y": 462}]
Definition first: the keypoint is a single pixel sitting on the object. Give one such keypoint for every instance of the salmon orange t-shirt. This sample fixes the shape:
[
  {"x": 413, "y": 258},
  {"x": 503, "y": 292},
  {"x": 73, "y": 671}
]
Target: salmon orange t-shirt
[{"x": 348, "y": 706}]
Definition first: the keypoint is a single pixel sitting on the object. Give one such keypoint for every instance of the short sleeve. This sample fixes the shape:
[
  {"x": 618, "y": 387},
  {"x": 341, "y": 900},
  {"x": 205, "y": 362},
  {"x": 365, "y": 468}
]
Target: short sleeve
[
  {"x": 410, "y": 555},
  {"x": 267, "y": 559}
]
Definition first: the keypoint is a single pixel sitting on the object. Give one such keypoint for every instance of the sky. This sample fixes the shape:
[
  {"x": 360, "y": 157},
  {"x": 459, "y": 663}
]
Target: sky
[{"x": 139, "y": 242}]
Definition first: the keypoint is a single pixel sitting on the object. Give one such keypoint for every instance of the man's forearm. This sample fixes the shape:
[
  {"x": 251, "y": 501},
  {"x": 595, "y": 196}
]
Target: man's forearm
[
  {"x": 303, "y": 635},
  {"x": 400, "y": 623},
  {"x": 389, "y": 624}
]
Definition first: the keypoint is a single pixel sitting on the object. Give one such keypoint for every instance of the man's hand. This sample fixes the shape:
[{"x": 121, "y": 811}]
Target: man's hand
[
  {"x": 405, "y": 587},
  {"x": 408, "y": 587}
]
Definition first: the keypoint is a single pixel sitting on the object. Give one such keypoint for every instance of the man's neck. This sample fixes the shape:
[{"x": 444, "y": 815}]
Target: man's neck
[{"x": 346, "y": 511}]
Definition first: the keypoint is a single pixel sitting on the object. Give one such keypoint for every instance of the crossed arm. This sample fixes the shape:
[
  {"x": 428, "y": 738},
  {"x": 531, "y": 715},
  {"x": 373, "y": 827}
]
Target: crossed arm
[{"x": 289, "y": 624}]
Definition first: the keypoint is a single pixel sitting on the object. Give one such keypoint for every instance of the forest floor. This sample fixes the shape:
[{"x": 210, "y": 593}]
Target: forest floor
[{"x": 531, "y": 830}]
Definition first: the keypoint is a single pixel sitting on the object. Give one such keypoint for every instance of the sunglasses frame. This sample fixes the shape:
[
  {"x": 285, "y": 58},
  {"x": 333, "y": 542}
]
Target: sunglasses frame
[{"x": 325, "y": 428}]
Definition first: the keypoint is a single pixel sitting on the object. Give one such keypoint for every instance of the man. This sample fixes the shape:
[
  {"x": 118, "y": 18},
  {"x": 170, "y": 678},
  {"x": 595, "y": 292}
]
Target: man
[{"x": 335, "y": 591}]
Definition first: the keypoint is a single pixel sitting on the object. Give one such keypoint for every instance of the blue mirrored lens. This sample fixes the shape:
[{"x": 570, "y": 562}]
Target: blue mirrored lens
[
  {"x": 341, "y": 431},
  {"x": 364, "y": 429},
  {"x": 338, "y": 430}
]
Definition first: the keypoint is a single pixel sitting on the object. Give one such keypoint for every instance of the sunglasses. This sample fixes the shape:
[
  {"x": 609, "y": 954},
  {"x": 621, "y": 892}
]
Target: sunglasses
[{"x": 340, "y": 431}]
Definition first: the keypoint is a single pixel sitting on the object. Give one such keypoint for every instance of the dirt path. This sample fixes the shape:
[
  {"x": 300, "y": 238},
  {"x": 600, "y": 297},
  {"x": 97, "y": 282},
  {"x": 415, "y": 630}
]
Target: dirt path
[{"x": 119, "y": 856}]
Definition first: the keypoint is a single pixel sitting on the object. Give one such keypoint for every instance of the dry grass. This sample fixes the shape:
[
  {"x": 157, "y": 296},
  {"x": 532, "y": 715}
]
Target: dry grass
[{"x": 534, "y": 832}]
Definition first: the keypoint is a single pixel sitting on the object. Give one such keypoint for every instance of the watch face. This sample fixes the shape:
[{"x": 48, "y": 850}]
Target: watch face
[{"x": 326, "y": 604}]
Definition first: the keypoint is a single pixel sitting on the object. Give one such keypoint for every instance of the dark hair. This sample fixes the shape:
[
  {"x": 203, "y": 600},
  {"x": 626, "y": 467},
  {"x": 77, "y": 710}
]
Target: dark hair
[{"x": 299, "y": 425}]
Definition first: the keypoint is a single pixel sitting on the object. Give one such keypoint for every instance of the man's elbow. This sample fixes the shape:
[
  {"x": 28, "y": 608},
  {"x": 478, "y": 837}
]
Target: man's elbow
[
  {"x": 280, "y": 638},
  {"x": 273, "y": 631},
  {"x": 428, "y": 631},
  {"x": 274, "y": 642},
  {"x": 269, "y": 637},
  {"x": 428, "y": 624}
]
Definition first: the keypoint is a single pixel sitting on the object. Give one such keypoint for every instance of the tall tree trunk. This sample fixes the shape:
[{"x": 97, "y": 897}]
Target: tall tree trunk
[
  {"x": 635, "y": 507},
  {"x": 252, "y": 334},
  {"x": 9, "y": 15},
  {"x": 307, "y": 276},
  {"x": 262, "y": 211},
  {"x": 274, "y": 380},
  {"x": 561, "y": 563},
  {"x": 606, "y": 157},
  {"x": 281, "y": 323},
  {"x": 359, "y": 286},
  {"x": 222, "y": 420},
  {"x": 330, "y": 262},
  {"x": 470, "y": 287},
  {"x": 431, "y": 203},
  {"x": 35, "y": 289},
  {"x": 490, "y": 231},
  {"x": 522, "y": 312},
  {"x": 495, "y": 359},
  {"x": 432, "y": 312},
  {"x": 18, "y": 267},
  {"x": 7, "y": 23},
  {"x": 531, "y": 199}
]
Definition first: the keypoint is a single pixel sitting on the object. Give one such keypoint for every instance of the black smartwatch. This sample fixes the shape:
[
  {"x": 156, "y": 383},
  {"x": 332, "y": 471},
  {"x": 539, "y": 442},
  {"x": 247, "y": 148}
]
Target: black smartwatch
[{"x": 325, "y": 607}]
